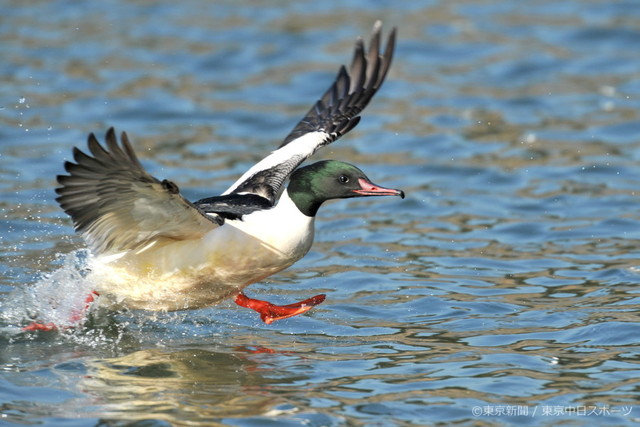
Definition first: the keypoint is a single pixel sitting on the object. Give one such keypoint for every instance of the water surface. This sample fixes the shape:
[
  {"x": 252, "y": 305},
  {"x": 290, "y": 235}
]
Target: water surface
[{"x": 502, "y": 291}]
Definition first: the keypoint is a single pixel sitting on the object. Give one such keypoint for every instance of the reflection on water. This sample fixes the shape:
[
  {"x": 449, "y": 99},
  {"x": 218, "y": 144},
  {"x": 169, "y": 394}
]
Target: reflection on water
[
  {"x": 505, "y": 284},
  {"x": 170, "y": 385},
  {"x": 178, "y": 385}
]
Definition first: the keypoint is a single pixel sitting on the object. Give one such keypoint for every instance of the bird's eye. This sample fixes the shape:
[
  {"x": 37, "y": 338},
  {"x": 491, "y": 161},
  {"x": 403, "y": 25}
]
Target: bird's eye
[{"x": 343, "y": 179}]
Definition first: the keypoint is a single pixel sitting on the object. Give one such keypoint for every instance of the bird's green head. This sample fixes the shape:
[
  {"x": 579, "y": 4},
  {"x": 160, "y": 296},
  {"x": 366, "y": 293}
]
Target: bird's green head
[{"x": 312, "y": 185}]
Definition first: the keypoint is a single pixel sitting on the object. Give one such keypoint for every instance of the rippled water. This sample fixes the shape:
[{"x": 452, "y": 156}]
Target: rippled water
[{"x": 502, "y": 290}]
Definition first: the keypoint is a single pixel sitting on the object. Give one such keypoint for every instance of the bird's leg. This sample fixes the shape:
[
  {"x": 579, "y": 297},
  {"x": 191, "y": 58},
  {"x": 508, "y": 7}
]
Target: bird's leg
[
  {"x": 37, "y": 326},
  {"x": 76, "y": 316},
  {"x": 269, "y": 313}
]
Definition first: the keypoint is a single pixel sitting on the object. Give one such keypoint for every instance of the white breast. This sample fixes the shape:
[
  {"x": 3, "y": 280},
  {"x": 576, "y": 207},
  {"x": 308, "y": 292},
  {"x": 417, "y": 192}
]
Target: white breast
[{"x": 283, "y": 230}]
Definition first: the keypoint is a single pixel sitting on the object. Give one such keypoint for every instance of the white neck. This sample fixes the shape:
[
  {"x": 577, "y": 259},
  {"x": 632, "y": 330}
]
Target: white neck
[{"x": 283, "y": 227}]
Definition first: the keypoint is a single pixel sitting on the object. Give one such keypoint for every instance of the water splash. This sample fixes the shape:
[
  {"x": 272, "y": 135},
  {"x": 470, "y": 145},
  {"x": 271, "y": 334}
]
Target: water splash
[
  {"x": 56, "y": 298},
  {"x": 60, "y": 298}
]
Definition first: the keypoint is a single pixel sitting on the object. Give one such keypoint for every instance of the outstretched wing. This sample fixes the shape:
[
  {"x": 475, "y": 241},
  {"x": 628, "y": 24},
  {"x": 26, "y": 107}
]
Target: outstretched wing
[
  {"x": 333, "y": 115},
  {"x": 117, "y": 206}
]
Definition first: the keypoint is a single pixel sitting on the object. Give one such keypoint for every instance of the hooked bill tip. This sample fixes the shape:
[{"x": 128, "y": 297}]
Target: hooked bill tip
[{"x": 368, "y": 188}]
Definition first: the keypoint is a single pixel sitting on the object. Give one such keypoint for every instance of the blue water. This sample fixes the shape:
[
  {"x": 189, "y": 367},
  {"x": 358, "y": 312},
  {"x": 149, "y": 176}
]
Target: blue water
[{"x": 502, "y": 291}]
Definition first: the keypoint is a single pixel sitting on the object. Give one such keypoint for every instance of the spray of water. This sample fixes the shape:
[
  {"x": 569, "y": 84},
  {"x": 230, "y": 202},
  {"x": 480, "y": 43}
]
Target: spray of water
[{"x": 57, "y": 297}]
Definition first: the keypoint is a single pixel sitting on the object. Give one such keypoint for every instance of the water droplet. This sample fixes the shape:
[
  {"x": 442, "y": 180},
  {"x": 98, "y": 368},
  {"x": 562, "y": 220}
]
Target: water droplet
[
  {"x": 22, "y": 100},
  {"x": 608, "y": 90},
  {"x": 608, "y": 105},
  {"x": 529, "y": 137}
]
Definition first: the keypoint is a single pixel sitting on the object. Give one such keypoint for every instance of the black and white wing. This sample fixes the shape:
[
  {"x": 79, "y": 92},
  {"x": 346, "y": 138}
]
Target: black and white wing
[
  {"x": 117, "y": 206},
  {"x": 333, "y": 115}
]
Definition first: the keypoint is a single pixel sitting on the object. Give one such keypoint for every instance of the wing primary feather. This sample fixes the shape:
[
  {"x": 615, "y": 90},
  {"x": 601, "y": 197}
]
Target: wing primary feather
[
  {"x": 334, "y": 114},
  {"x": 366, "y": 74},
  {"x": 358, "y": 65},
  {"x": 128, "y": 149}
]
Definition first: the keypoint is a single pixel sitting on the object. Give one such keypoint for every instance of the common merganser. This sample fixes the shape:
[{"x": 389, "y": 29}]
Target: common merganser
[{"x": 155, "y": 250}]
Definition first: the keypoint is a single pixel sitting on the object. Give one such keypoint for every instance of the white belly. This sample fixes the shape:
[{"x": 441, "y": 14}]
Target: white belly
[{"x": 197, "y": 273}]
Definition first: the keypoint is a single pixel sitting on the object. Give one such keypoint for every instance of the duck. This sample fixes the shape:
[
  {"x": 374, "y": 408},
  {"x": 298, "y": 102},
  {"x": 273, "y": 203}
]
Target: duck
[{"x": 152, "y": 249}]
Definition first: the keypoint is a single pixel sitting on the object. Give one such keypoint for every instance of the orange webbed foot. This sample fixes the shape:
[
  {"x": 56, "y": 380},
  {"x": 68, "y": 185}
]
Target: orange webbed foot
[
  {"x": 269, "y": 313},
  {"x": 35, "y": 326},
  {"x": 75, "y": 318}
]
